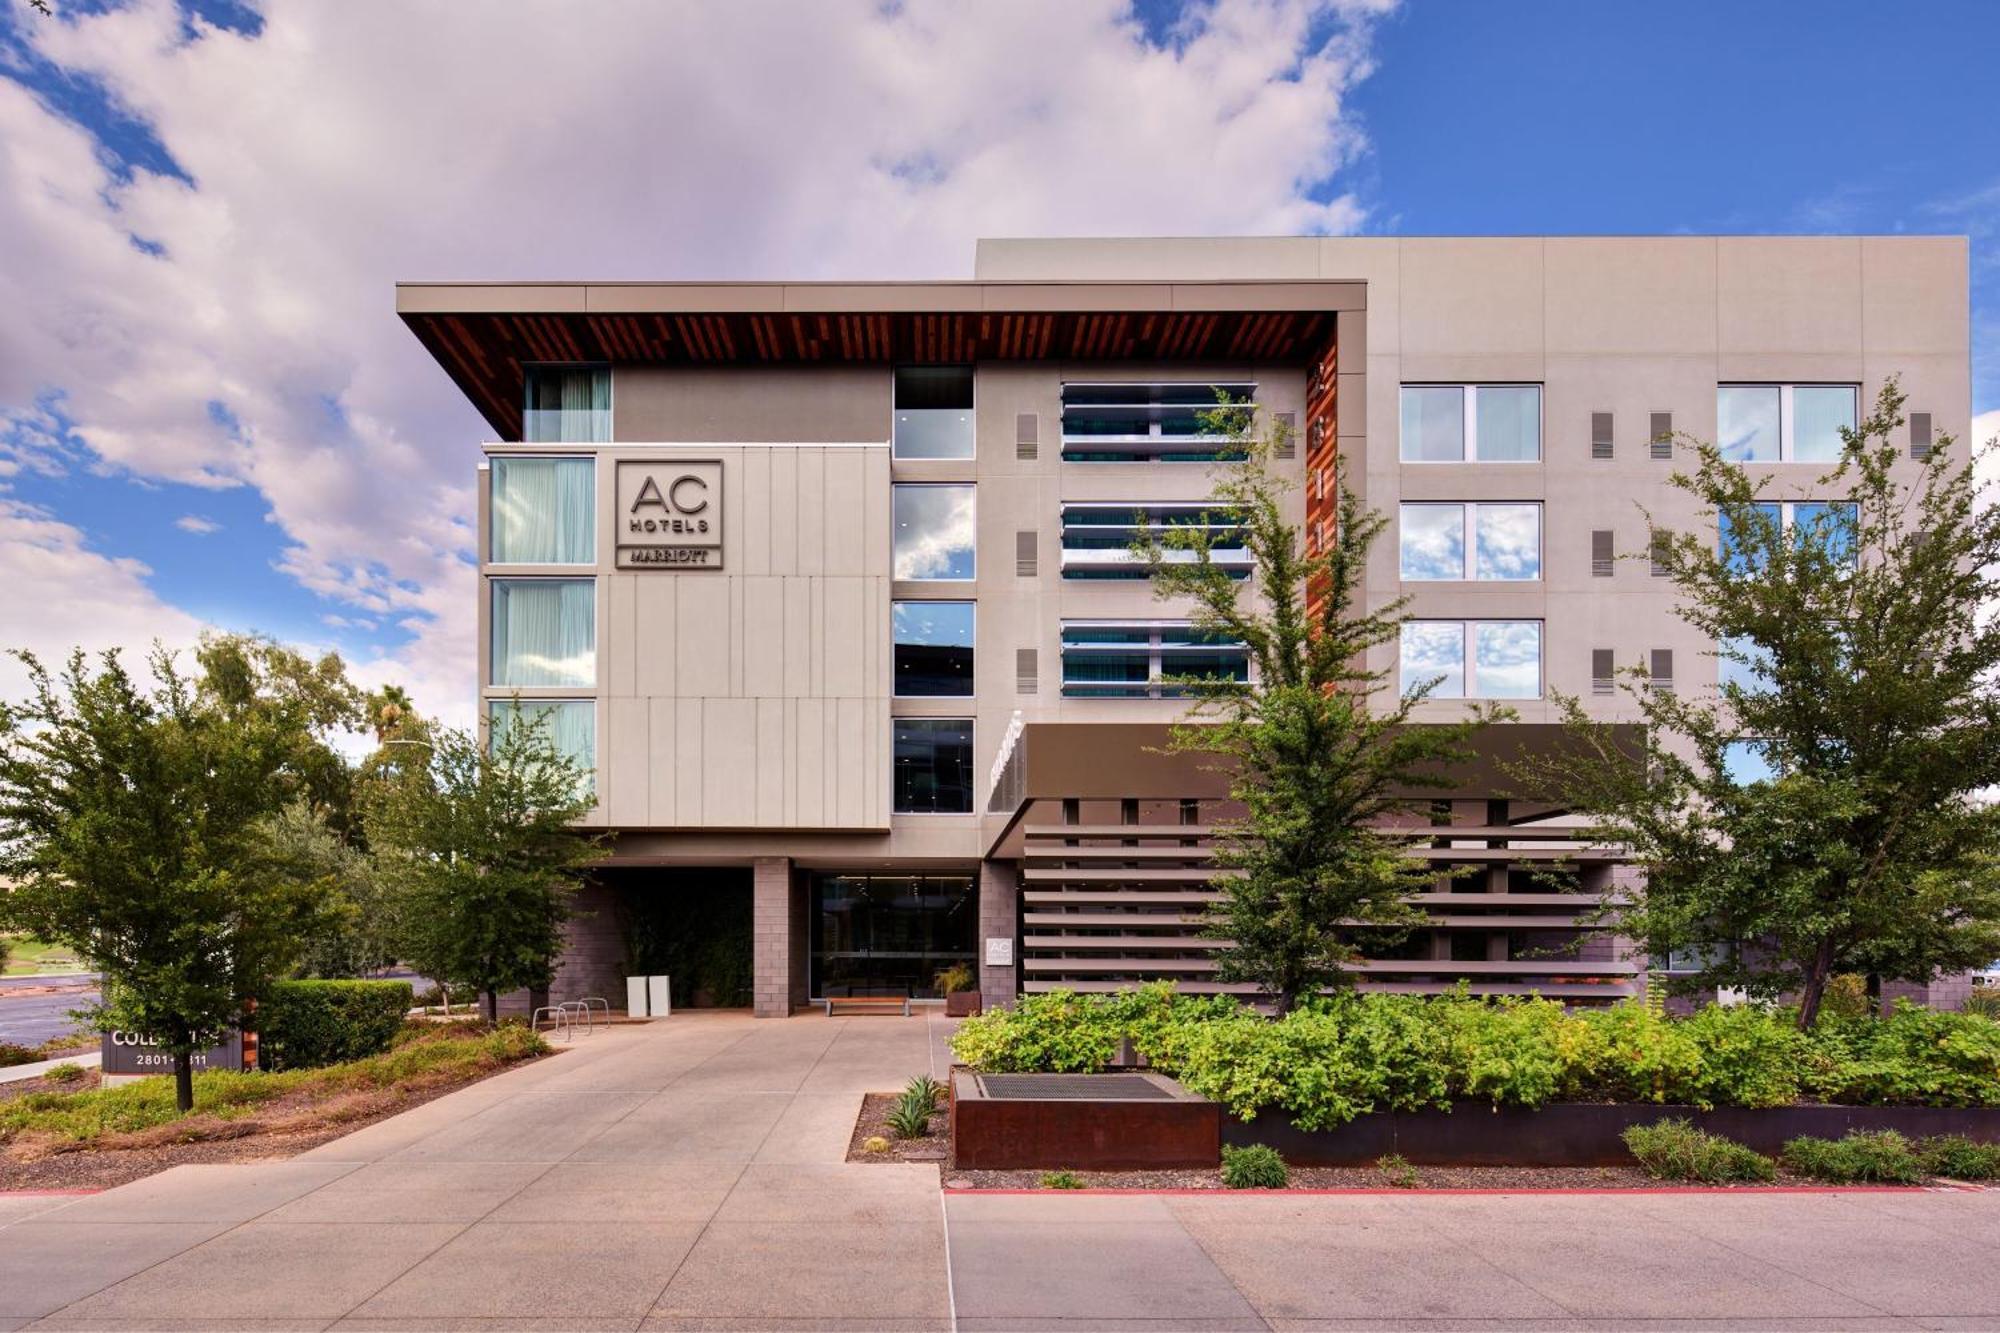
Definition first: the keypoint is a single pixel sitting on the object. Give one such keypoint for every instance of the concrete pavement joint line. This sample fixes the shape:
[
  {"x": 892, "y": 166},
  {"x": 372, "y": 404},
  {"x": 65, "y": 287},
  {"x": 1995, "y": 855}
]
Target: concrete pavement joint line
[
  {"x": 1220, "y": 1271},
  {"x": 950, "y": 1285},
  {"x": 1972, "y": 1233},
  {"x": 1451, "y": 1242},
  {"x": 1768, "y": 1263}
]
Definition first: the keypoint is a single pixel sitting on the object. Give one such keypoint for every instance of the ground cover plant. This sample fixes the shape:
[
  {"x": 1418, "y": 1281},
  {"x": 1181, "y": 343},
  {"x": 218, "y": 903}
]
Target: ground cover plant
[
  {"x": 1676, "y": 1150},
  {"x": 230, "y": 1104},
  {"x": 1959, "y": 1158},
  {"x": 1884, "y": 1158},
  {"x": 1255, "y": 1167},
  {"x": 1336, "y": 1058}
]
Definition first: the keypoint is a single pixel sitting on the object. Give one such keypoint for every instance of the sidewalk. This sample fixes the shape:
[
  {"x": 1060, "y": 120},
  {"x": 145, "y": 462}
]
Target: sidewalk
[{"x": 17, "y": 1073}]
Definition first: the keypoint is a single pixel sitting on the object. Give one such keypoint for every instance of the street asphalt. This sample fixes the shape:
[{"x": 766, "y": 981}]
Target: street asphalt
[
  {"x": 689, "y": 1174},
  {"x": 34, "y": 1009}
]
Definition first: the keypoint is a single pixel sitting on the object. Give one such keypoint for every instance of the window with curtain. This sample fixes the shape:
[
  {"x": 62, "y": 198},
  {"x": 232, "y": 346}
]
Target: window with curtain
[
  {"x": 544, "y": 511},
  {"x": 567, "y": 405},
  {"x": 570, "y": 723},
  {"x": 544, "y": 632}
]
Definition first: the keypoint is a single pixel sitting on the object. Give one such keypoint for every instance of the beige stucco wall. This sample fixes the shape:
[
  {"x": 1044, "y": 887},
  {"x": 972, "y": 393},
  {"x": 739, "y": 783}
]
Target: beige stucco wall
[{"x": 1628, "y": 325}]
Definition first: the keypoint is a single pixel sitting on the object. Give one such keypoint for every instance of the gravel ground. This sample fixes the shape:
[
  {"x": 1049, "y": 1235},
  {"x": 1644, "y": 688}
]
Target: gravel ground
[{"x": 874, "y": 1121}]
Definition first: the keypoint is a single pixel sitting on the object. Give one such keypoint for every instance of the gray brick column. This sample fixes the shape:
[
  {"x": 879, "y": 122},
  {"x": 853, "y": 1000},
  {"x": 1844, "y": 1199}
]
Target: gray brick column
[
  {"x": 999, "y": 918},
  {"x": 771, "y": 931},
  {"x": 593, "y": 954}
]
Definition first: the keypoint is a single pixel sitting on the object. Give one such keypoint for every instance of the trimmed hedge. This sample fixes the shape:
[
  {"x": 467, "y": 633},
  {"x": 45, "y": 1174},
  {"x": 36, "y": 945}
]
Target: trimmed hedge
[
  {"x": 306, "y": 1024},
  {"x": 1334, "y": 1059}
]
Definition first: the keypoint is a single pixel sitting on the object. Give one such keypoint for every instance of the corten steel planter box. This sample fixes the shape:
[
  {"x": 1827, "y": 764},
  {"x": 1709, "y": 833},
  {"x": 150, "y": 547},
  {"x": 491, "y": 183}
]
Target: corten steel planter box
[
  {"x": 1086, "y": 1122},
  {"x": 963, "y": 1003},
  {"x": 1578, "y": 1134}
]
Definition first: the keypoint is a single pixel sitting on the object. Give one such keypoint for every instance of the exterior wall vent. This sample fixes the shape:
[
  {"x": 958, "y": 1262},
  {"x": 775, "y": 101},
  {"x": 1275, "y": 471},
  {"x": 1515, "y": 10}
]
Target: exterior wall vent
[
  {"x": 1661, "y": 669},
  {"x": 1027, "y": 672},
  {"x": 1027, "y": 553},
  {"x": 1663, "y": 435},
  {"x": 1600, "y": 435},
  {"x": 1661, "y": 547},
  {"x": 1920, "y": 436},
  {"x": 1027, "y": 436},
  {"x": 1602, "y": 559},
  {"x": 1285, "y": 426},
  {"x": 1603, "y": 670}
]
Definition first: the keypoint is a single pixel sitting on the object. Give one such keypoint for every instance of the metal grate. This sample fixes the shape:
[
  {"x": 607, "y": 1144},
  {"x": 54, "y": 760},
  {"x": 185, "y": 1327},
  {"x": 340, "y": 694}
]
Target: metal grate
[{"x": 1072, "y": 1088}]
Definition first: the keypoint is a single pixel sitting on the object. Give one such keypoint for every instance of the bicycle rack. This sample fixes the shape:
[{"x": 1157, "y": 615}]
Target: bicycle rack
[
  {"x": 559, "y": 1021},
  {"x": 589, "y": 1000},
  {"x": 579, "y": 1007}
]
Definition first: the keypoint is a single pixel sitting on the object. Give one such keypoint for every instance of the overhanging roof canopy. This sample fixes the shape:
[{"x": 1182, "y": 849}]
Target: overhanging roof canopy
[{"x": 484, "y": 333}]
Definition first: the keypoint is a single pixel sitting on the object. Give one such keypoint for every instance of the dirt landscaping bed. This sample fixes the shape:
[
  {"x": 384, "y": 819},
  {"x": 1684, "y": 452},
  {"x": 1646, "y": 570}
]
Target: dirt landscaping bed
[
  {"x": 873, "y": 1123},
  {"x": 77, "y": 1135},
  {"x": 1500, "y": 1178}
]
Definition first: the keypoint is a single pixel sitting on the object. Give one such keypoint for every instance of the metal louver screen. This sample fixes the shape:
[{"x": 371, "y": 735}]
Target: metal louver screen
[
  {"x": 1027, "y": 562},
  {"x": 1285, "y": 429},
  {"x": 1661, "y": 669},
  {"x": 1600, "y": 435},
  {"x": 1662, "y": 435},
  {"x": 1602, "y": 670},
  {"x": 1601, "y": 558},
  {"x": 1920, "y": 435},
  {"x": 1027, "y": 435},
  {"x": 1027, "y": 671}
]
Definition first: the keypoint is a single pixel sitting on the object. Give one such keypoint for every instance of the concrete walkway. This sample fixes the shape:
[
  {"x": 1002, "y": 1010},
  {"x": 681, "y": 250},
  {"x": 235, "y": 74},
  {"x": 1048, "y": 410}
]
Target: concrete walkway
[{"x": 688, "y": 1174}]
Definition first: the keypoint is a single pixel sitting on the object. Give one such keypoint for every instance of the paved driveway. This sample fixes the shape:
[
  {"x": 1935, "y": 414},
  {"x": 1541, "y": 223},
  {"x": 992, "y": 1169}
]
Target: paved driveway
[{"x": 688, "y": 1174}]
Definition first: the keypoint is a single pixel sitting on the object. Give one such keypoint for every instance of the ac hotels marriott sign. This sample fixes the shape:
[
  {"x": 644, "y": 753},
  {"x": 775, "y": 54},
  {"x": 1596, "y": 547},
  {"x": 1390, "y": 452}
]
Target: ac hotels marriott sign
[{"x": 669, "y": 514}]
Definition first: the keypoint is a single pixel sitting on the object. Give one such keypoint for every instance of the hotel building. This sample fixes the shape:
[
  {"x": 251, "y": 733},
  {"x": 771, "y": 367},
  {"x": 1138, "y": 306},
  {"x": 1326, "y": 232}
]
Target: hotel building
[{"x": 828, "y": 583}]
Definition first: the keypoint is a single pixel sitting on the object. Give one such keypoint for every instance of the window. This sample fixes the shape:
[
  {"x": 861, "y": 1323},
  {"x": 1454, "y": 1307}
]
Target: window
[
  {"x": 933, "y": 648},
  {"x": 1478, "y": 423},
  {"x": 1134, "y": 659},
  {"x": 1097, "y": 538},
  {"x": 933, "y": 765},
  {"x": 567, "y": 405},
  {"x": 1831, "y": 523},
  {"x": 935, "y": 531},
  {"x": 1783, "y": 423},
  {"x": 570, "y": 723},
  {"x": 1743, "y": 663},
  {"x": 544, "y": 632},
  {"x": 1473, "y": 659},
  {"x": 890, "y": 934},
  {"x": 934, "y": 412},
  {"x": 1147, "y": 423},
  {"x": 544, "y": 511},
  {"x": 1471, "y": 541}
]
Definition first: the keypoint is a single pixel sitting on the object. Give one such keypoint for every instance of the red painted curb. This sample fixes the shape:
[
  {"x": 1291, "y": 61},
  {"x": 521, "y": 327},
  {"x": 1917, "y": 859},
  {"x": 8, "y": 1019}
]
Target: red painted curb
[
  {"x": 1391, "y": 1190},
  {"x": 42, "y": 1194}
]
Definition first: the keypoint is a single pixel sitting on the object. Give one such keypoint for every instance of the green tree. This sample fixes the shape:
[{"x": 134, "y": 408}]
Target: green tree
[
  {"x": 135, "y": 825},
  {"x": 1319, "y": 746},
  {"x": 480, "y": 849},
  {"x": 1857, "y": 682},
  {"x": 360, "y": 931}
]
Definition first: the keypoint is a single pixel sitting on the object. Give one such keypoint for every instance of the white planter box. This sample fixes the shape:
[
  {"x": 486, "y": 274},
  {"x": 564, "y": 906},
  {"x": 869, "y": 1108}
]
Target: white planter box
[
  {"x": 659, "y": 997},
  {"x": 635, "y": 997}
]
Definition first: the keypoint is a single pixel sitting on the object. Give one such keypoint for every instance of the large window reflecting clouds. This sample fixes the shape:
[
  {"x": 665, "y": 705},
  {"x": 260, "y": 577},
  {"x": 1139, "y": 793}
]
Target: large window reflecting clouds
[
  {"x": 1471, "y": 541},
  {"x": 935, "y": 529},
  {"x": 544, "y": 632},
  {"x": 1473, "y": 659},
  {"x": 1434, "y": 650},
  {"x": 1746, "y": 422},
  {"x": 1433, "y": 541}
]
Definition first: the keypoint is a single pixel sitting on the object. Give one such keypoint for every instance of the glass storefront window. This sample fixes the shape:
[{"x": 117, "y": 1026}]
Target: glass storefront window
[
  {"x": 890, "y": 935},
  {"x": 933, "y": 765},
  {"x": 933, "y": 648},
  {"x": 544, "y": 511}
]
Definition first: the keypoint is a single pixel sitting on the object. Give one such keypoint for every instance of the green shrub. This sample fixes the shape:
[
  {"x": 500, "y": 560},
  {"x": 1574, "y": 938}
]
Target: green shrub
[
  {"x": 1881, "y": 1157},
  {"x": 12, "y": 1054},
  {"x": 1747, "y": 1055},
  {"x": 1255, "y": 1167},
  {"x": 1912, "y": 1056},
  {"x": 1959, "y": 1158},
  {"x": 1061, "y": 1180},
  {"x": 1676, "y": 1150},
  {"x": 951, "y": 980},
  {"x": 66, "y": 1072},
  {"x": 1399, "y": 1171},
  {"x": 305, "y": 1024},
  {"x": 1984, "y": 1001},
  {"x": 1846, "y": 997}
]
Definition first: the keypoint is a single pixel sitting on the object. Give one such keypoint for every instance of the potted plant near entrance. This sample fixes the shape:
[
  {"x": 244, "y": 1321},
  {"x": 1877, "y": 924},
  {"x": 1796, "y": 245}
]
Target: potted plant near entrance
[{"x": 960, "y": 990}]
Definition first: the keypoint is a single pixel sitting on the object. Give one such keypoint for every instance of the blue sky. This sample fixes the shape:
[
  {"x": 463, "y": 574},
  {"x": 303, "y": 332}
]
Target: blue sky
[{"x": 209, "y": 415}]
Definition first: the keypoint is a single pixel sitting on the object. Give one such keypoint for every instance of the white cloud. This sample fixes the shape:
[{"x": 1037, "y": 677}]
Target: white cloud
[
  {"x": 351, "y": 145},
  {"x": 196, "y": 524},
  {"x": 79, "y": 597}
]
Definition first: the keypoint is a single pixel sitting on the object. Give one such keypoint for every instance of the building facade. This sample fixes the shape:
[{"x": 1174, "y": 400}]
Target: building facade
[{"x": 828, "y": 583}]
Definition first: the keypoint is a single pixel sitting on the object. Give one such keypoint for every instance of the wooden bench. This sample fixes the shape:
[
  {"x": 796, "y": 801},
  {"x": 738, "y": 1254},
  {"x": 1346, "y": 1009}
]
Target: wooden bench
[{"x": 868, "y": 1004}]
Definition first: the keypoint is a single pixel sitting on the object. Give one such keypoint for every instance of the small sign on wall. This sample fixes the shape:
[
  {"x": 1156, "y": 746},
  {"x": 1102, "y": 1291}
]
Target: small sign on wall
[
  {"x": 1000, "y": 952},
  {"x": 669, "y": 514}
]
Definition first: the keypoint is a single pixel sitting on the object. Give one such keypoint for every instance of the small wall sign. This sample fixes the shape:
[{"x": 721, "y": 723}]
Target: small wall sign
[
  {"x": 669, "y": 514},
  {"x": 1000, "y": 952}
]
